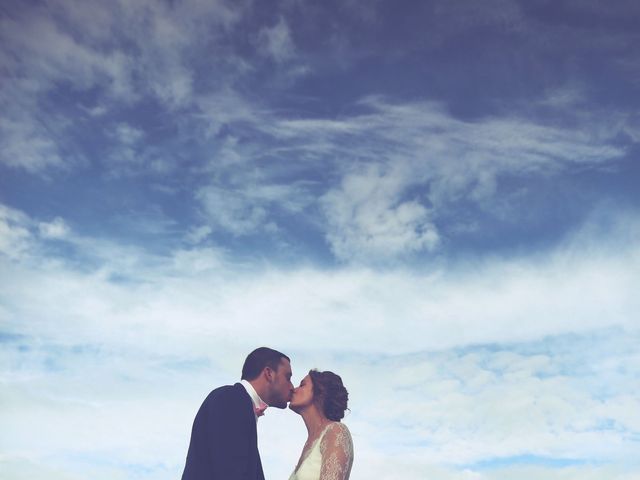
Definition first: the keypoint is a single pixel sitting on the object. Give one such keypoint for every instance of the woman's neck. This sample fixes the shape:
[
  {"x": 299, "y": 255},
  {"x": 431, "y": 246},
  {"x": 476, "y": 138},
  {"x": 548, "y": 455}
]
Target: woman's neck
[{"x": 314, "y": 421}]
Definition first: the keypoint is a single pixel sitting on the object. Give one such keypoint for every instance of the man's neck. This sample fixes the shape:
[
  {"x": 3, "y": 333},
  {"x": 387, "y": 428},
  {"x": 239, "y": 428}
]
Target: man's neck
[{"x": 258, "y": 388}]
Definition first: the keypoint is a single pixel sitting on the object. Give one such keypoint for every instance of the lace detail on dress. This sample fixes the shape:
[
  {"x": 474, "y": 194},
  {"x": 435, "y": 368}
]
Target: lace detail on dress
[
  {"x": 329, "y": 457},
  {"x": 336, "y": 449}
]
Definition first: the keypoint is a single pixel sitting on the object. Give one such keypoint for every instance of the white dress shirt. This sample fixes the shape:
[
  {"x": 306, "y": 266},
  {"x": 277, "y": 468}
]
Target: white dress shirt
[{"x": 255, "y": 398}]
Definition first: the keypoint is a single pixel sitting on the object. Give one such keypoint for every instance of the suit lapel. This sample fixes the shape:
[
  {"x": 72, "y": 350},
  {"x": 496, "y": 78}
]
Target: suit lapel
[{"x": 254, "y": 429}]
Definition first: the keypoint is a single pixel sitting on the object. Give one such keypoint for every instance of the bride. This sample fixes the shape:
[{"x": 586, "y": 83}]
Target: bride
[{"x": 321, "y": 400}]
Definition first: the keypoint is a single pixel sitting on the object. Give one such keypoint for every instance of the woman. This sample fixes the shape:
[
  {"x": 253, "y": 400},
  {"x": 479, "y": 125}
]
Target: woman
[{"x": 321, "y": 400}]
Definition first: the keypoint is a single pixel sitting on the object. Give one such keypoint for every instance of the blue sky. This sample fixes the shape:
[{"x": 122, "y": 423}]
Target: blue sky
[{"x": 437, "y": 200}]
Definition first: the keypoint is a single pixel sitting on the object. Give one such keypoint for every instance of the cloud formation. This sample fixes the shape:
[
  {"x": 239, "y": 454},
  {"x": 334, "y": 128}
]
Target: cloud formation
[
  {"x": 436, "y": 307},
  {"x": 438, "y": 202}
]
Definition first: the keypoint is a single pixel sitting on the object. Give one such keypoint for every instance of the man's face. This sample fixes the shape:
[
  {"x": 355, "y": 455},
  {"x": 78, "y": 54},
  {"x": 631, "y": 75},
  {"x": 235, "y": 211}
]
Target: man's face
[
  {"x": 281, "y": 386},
  {"x": 302, "y": 396}
]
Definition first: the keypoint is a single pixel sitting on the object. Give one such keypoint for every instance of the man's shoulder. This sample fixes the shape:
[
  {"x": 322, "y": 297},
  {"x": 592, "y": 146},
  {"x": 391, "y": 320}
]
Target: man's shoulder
[
  {"x": 228, "y": 401},
  {"x": 228, "y": 392},
  {"x": 228, "y": 388}
]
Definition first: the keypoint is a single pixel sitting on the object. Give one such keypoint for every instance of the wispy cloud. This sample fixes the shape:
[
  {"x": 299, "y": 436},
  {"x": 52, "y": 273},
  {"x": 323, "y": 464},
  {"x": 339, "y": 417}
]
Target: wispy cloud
[
  {"x": 15, "y": 237},
  {"x": 400, "y": 167},
  {"x": 56, "y": 229},
  {"x": 477, "y": 412},
  {"x": 28, "y": 144},
  {"x": 369, "y": 218},
  {"x": 276, "y": 42},
  {"x": 126, "y": 53},
  {"x": 438, "y": 203},
  {"x": 380, "y": 182},
  {"x": 441, "y": 307}
]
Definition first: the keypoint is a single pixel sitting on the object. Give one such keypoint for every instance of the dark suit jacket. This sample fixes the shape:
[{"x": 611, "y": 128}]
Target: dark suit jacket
[{"x": 224, "y": 441}]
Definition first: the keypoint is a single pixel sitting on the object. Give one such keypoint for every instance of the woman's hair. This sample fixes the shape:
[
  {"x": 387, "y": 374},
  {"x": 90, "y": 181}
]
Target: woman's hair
[{"x": 329, "y": 394}]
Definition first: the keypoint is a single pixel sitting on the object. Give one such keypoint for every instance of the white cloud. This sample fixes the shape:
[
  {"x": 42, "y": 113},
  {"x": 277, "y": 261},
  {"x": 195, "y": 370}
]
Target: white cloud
[
  {"x": 48, "y": 54},
  {"x": 242, "y": 197},
  {"x": 128, "y": 154},
  {"x": 369, "y": 219},
  {"x": 632, "y": 127},
  {"x": 444, "y": 159},
  {"x": 415, "y": 467},
  {"x": 515, "y": 357},
  {"x": 96, "y": 111},
  {"x": 27, "y": 145},
  {"x": 15, "y": 237},
  {"x": 276, "y": 42},
  {"x": 507, "y": 414},
  {"x": 398, "y": 168},
  {"x": 55, "y": 229},
  {"x": 198, "y": 260},
  {"x": 413, "y": 414},
  {"x": 108, "y": 352},
  {"x": 414, "y": 160},
  {"x": 232, "y": 210},
  {"x": 127, "y": 134},
  {"x": 43, "y": 56},
  {"x": 124, "y": 52},
  {"x": 197, "y": 234},
  {"x": 580, "y": 287},
  {"x": 228, "y": 107}
]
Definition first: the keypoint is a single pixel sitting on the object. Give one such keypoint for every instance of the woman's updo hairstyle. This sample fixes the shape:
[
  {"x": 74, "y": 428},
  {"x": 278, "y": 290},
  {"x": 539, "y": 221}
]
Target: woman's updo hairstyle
[{"x": 329, "y": 394}]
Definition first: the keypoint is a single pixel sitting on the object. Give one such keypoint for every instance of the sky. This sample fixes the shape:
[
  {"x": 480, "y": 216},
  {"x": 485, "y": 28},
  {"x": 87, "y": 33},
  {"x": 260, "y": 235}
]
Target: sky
[{"x": 437, "y": 200}]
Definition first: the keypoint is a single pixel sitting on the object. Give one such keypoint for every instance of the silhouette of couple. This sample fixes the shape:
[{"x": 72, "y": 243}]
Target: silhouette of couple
[{"x": 224, "y": 443}]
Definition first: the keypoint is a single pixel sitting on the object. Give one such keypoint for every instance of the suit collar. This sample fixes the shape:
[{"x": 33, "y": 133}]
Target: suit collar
[{"x": 255, "y": 398}]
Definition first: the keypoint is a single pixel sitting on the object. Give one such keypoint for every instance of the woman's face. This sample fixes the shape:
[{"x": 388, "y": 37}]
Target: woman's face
[{"x": 302, "y": 395}]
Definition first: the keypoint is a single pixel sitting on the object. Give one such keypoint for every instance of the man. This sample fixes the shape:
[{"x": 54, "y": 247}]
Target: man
[{"x": 224, "y": 441}]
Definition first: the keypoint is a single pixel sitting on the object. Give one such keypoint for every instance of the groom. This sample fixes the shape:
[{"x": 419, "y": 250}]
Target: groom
[{"x": 224, "y": 441}]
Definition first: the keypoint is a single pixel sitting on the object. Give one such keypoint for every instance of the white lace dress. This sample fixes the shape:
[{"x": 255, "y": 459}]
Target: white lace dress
[{"x": 329, "y": 457}]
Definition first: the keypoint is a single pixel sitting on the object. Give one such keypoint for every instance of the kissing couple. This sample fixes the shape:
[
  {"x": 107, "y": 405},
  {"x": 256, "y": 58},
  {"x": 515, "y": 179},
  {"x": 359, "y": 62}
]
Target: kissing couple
[{"x": 224, "y": 441}]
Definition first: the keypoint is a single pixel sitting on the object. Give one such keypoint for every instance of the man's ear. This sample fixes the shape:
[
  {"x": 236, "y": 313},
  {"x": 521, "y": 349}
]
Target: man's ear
[{"x": 268, "y": 374}]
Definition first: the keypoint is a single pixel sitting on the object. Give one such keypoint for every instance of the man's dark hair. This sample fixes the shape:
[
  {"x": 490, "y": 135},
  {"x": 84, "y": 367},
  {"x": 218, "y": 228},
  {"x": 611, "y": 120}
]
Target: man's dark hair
[{"x": 259, "y": 359}]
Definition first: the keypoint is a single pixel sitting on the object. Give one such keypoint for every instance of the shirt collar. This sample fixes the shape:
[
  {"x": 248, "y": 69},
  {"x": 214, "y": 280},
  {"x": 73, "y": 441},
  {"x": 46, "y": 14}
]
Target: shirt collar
[{"x": 255, "y": 398}]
